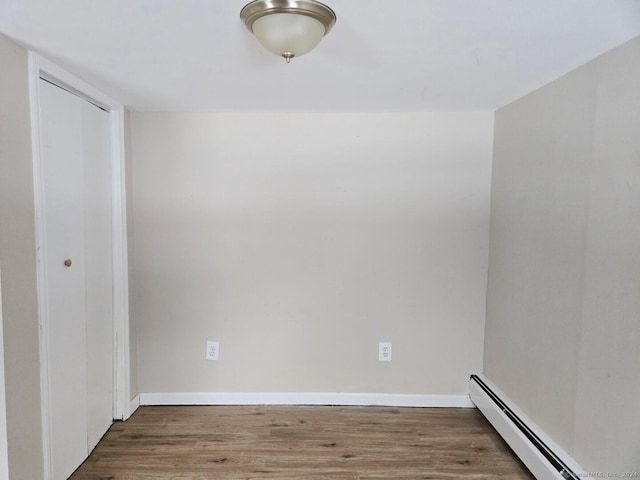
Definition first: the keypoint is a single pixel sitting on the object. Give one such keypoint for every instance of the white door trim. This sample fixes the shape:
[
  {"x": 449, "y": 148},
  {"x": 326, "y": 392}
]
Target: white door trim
[
  {"x": 4, "y": 453},
  {"x": 40, "y": 67}
]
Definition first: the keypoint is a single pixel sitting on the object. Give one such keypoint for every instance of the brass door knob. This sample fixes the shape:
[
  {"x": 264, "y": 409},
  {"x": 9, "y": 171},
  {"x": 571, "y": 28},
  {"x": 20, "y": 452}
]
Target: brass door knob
[{"x": 67, "y": 262}]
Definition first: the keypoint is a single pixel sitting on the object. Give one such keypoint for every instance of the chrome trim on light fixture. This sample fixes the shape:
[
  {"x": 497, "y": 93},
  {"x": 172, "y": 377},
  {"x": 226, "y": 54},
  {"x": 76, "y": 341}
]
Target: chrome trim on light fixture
[{"x": 259, "y": 8}]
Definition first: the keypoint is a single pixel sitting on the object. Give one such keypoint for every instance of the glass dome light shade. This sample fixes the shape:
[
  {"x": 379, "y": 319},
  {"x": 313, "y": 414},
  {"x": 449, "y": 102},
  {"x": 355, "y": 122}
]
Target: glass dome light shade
[
  {"x": 289, "y": 28},
  {"x": 288, "y": 33}
]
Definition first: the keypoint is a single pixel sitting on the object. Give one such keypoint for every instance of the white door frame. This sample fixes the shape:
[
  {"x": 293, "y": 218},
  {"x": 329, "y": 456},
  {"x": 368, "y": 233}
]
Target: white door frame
[
  {"x": 39, "y": 68},
  {"x": 4, "y": 453}
]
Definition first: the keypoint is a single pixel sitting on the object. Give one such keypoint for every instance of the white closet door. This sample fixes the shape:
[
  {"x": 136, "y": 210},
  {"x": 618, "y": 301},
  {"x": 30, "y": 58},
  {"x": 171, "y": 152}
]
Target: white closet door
[
  {"x": 61, "y": 129},
  {"x": 99, "y": 271},
  {"x": 77, "y": 217}
]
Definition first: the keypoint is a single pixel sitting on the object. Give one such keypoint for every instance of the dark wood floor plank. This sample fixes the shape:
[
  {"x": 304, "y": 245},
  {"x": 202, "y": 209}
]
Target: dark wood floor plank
[{"x": 300, "y": 442}]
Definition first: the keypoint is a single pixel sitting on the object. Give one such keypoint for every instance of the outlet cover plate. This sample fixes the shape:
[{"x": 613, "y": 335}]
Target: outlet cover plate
[
  {"x": 213, "y": 350},
  {"x": 384, "y": 351}
]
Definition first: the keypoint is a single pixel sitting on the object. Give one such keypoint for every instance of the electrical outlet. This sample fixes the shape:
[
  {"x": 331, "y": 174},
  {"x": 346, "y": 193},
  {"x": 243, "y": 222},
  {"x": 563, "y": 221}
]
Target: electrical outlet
[
  {"x": 384, "y": 351},
  {"x": 213, "y": 350}
]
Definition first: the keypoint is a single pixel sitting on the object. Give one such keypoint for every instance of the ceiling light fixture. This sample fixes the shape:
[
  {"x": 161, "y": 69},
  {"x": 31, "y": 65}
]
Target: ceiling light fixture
[{"x": 289, "y": 28}]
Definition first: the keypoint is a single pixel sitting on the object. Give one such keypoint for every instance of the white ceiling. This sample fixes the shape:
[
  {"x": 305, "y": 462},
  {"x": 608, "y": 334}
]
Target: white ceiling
[{"x": 394, "y": 55}]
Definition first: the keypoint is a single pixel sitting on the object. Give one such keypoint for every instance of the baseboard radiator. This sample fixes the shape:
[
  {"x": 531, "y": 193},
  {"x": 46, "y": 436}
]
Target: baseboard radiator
[{"x": 536, "y": 453}]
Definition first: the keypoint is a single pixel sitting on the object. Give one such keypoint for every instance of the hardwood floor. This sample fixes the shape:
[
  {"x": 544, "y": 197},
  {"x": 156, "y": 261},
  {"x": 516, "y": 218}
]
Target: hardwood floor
[{"x": 301, "y": 442}]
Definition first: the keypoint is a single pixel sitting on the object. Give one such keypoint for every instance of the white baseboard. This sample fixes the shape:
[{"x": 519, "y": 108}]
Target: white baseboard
[
  {"x": 530, "y": 455},
  {"x": 345, "y": 399},
  {"x": 135, "y": 403}
]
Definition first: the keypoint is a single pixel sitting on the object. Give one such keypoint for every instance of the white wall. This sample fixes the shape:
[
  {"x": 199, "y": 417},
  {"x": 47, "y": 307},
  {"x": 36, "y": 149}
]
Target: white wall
[
  {"x": 18, "y": 258},
  {"x": 301, "y": 240},
  {"x": 563, "y": 307}
]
